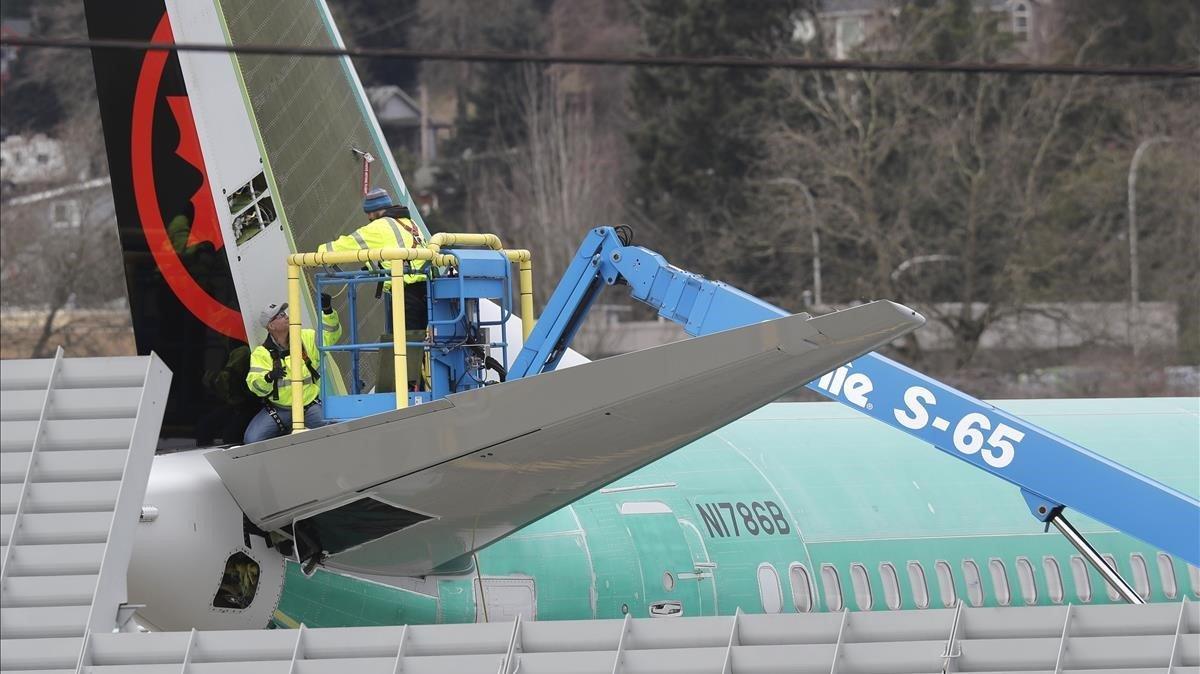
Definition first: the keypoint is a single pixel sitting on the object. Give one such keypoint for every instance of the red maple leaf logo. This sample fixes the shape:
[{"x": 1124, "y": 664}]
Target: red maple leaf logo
[
  {"x": 198, "y": 300},
  {"x": 204, "y": 223}
]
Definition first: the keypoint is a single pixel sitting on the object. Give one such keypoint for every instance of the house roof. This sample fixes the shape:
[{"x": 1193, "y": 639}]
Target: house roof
[{"x": 392, "y": 105}]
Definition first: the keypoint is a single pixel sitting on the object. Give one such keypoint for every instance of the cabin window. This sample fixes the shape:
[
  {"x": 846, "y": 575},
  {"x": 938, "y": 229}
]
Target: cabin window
[
  {"x": 801, "y": 588},
  {"x": 1141, "y": 575},
  {"x": 1083, "y": 581},
  {"x": 974, "y": 582},
  {"x": 1166, "y": 570},
  {"x": 768, "y": 589},
  {"x": 1111, "y": 561},
  {"x": 862, "y": 587},
  {"x": 1027, "y": 579},
  {"x": 833, "y": 587},
  {"x": 945, "y": 578},
  {"x": 1000, "y": 582},
  {"x": 916, "y": 580},
  {"x": 1054, "y": 583},
  {"x": 891, "y": 585},
  {"x": 1194, "y": 578}
]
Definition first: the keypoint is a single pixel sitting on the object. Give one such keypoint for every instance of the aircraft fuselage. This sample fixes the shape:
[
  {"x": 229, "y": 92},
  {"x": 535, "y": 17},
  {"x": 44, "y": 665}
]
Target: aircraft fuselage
[{"x": 797, "y": 507}]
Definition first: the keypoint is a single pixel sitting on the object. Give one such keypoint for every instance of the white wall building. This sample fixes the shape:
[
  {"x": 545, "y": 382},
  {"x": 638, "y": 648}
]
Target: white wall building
[
  {"x": 25, "y": 160},
  {"x": 848, "y": 23}
]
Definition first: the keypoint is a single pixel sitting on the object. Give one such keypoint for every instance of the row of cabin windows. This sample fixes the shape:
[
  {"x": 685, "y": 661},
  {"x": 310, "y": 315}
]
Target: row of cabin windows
[{"x": 803, "y": 588}]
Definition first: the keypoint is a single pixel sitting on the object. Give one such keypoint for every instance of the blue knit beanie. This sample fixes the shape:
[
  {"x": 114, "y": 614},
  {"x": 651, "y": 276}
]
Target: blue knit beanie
[{"x": 376, "y": 200}]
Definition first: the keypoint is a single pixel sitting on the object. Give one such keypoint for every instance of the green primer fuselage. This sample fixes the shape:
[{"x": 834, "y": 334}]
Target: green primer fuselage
[{"x": 798, "y": 506}]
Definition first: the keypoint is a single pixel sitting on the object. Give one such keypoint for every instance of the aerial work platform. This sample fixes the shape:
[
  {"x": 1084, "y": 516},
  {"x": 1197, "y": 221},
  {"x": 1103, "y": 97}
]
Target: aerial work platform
[
  {"x": 76, "y": 441},
  {"x": 404, "y": 492},
  {"x": 482, "y": 460}
]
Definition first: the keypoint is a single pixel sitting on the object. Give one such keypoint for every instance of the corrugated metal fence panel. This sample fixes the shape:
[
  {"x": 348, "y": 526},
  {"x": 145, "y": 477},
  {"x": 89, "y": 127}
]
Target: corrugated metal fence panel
[
  {"x": 77, "y": 438},
  {"x": 1128, "y": 639}
]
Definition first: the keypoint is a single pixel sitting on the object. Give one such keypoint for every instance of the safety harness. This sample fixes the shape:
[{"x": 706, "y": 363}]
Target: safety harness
[
  {"x": 401, "y": 220},
  {"x": 276, "y": 364}
]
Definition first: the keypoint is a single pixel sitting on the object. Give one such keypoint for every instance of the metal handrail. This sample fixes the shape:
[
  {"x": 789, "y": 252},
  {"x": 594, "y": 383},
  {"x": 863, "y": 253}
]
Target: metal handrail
[
  {"x": 430, "y": 252},
  {"x": 29, "y": 468}
]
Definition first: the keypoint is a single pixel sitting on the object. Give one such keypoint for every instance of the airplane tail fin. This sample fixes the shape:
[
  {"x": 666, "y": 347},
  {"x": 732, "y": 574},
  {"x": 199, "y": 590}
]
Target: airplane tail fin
[
  {"x": 221, "y": 165},
  {"x": 182, "y": 298}
]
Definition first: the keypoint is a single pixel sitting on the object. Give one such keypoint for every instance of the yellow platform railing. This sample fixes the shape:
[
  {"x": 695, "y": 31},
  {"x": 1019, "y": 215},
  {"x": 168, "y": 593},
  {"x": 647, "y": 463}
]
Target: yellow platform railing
[{"x": 430, "y": 252}]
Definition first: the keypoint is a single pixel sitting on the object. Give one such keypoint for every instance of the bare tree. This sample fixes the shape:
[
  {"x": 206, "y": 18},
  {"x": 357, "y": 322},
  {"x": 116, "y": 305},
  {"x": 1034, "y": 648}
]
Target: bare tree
[
  {"x": 938, "y": 186},
  {"x": 564, "y": 180},
  {"x": 59, "y": 247},
  {"x": 57, "y": 259}
]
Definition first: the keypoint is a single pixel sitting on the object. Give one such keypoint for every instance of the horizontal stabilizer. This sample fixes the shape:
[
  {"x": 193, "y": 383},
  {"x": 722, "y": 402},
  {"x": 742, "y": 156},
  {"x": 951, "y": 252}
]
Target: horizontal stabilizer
[{"x": 402, "y": 492}]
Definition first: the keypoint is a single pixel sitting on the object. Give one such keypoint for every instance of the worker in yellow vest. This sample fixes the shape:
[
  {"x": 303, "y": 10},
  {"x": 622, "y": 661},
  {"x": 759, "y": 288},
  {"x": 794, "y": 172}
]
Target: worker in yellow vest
[
  {"x": 389, "y": 226},
  {"x": 270, "y": 378}
]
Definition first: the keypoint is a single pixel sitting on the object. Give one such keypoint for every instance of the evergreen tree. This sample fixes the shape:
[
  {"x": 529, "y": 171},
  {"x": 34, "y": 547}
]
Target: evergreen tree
[
  {"x": 489, "y": 116},
  {"x": 1154, "y": 32},
  {"x": 379, "y": 23},
  {"x": 933, "y": 189},
  {"x": 698, "y": 133},
  {"x": 489, "y": 125}
]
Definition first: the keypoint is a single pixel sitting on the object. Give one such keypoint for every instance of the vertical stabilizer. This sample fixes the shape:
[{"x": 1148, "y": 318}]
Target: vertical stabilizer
[
  {"x": 308, "y": 116},
  {"x": 184, "y": 304},
  {"x": 222, "y": 165}
]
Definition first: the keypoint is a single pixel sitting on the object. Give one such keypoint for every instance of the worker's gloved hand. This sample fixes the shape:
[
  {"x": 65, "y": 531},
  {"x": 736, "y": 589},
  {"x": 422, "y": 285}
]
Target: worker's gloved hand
[
  {"x": 276, "y": 374},
  {"x": 326, "y": 303}
]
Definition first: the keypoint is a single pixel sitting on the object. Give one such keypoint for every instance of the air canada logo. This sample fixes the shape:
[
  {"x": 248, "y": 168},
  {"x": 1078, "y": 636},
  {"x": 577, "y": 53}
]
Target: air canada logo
[{"x": 174, "y": 240}]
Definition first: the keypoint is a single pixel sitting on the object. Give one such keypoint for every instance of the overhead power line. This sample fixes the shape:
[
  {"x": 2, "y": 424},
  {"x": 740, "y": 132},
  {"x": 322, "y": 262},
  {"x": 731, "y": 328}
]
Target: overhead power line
[{"x": 615, "y": 59}]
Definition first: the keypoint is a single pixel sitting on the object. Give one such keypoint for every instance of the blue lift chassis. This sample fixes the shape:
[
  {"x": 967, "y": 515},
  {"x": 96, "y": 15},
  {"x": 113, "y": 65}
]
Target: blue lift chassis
[{"x": 1051, "y": 472}]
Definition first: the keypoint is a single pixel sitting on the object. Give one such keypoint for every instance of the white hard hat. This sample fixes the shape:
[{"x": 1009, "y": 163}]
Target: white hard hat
[{"x": 270, "y": 311}]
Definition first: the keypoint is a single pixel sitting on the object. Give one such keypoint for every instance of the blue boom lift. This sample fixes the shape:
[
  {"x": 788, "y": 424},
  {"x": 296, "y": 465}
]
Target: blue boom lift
[{"x": 1051, "y": 472}]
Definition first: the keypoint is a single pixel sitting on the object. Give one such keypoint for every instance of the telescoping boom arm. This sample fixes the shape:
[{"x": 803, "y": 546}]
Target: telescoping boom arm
[{"x": 1051, "y": 472}]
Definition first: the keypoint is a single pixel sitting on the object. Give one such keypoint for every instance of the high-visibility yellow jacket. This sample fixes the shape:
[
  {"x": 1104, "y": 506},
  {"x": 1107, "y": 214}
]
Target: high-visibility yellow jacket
[
  {"x": 266, "y": 355},
  {"x": 384, "y": 233}
]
